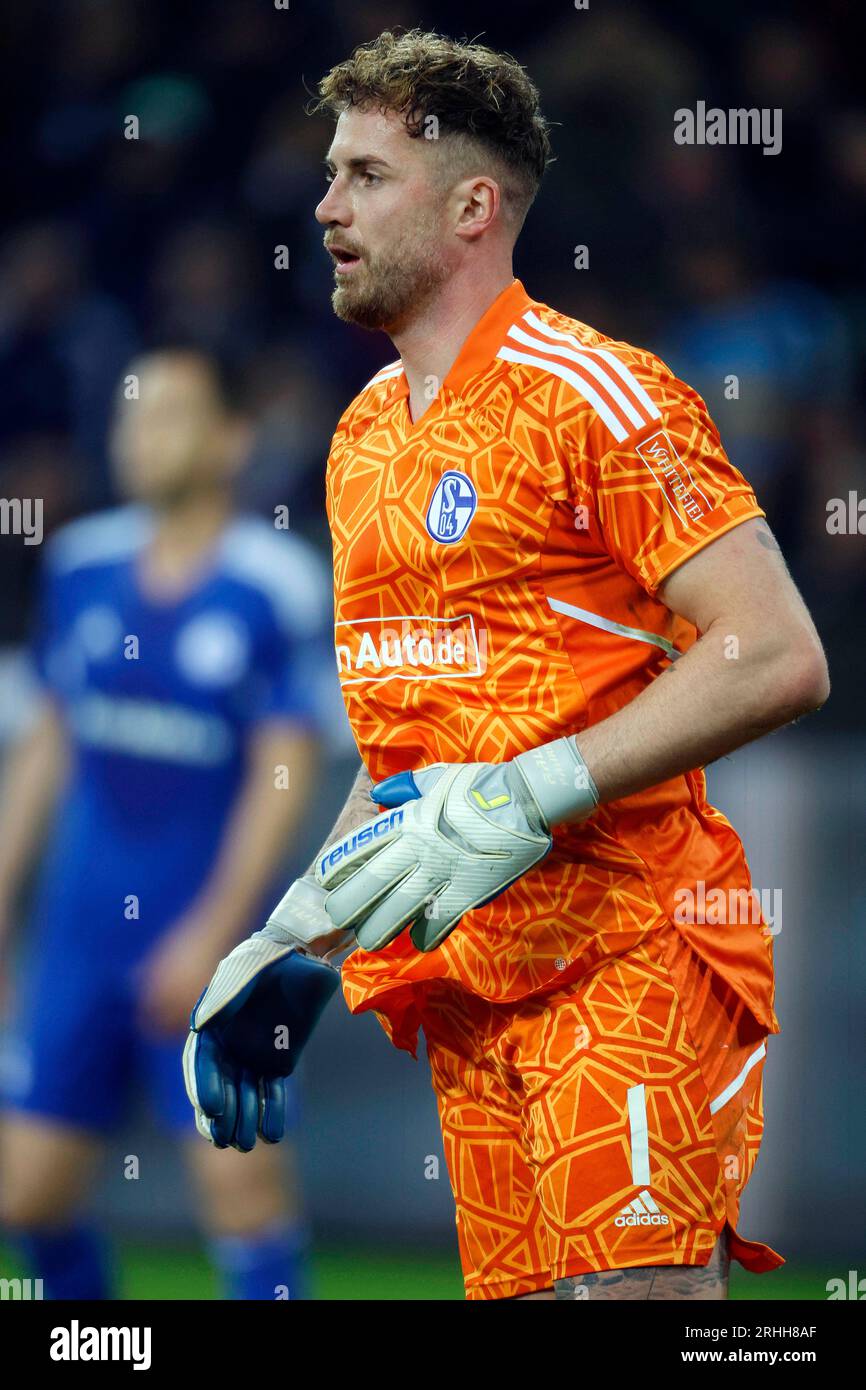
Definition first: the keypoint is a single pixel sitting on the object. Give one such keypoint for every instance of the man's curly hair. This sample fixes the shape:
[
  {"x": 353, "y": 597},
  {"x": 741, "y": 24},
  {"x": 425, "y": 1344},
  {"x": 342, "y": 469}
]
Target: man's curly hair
[{"x": 483, "y": 102}]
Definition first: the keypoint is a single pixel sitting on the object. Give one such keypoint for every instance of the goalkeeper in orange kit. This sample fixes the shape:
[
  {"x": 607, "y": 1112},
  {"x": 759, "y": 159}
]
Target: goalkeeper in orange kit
[{"x": 542, "y": 554}]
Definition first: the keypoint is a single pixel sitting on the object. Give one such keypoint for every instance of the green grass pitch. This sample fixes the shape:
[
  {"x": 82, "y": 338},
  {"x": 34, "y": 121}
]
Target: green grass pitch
[{"x": 362, "y": 1273}]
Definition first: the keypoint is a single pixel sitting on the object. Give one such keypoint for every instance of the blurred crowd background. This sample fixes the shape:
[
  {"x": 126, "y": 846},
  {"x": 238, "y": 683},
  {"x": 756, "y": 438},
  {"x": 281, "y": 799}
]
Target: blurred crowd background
[{"x": 724, "y": 260}]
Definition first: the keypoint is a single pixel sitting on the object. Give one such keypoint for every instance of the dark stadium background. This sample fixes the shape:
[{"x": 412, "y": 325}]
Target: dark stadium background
[{"x": 723, "y": 260}]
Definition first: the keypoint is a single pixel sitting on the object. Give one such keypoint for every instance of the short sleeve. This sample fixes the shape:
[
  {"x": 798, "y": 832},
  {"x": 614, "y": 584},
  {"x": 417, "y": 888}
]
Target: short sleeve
[
  {"x": 292, "y": 679},
  {"x": 668, "y": 488},
  {"x": 301, "y": 686},
  {"x": 296, "y": 669}
]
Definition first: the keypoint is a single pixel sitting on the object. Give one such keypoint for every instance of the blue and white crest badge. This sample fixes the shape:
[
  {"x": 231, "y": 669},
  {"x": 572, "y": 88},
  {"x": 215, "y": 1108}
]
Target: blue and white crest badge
[{"x": 451, "y": 508}]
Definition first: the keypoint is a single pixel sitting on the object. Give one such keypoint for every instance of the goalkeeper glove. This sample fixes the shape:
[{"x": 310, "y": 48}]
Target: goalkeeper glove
[
  {"x": 252, "y": 1022},
  {"x": 454, "y": 837}
]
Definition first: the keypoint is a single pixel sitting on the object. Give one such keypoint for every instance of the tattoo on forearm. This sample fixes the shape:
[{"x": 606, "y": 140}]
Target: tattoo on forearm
[
  {"x": 767, "y": 539},
  {"x": 358, "y": 808}
]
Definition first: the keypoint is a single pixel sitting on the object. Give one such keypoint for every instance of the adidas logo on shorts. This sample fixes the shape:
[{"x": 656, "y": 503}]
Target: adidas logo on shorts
[{"x": 642, "y": 1211}]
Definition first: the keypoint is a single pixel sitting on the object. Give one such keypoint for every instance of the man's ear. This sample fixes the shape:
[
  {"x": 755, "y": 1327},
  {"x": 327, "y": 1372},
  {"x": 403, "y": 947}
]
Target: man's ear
[{"x": 480, "y": 202}]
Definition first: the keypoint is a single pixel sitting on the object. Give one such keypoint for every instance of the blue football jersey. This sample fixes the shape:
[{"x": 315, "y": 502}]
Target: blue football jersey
[{"x": 160, "y": 699}]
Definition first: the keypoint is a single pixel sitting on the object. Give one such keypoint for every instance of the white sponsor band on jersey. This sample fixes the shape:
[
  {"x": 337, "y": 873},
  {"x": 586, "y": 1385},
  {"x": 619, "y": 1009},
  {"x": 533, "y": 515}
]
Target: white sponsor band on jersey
[
  {"x": 156, "y": 729},
  {"x": 414, "y": 647}
]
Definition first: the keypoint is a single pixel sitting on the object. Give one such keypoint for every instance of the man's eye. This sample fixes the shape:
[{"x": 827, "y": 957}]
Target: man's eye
[{"x": 369, "y": 178}]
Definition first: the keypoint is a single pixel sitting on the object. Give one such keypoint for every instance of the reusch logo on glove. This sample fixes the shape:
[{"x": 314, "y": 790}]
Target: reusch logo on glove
[{"x": 368, "y": 834}]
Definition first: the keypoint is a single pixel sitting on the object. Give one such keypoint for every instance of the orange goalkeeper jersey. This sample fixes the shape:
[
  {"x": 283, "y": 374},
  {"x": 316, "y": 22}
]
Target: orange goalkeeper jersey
[{"x": 496, "y": 570}]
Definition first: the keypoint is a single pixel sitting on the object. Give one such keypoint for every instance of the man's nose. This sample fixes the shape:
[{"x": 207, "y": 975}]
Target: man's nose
[{"x": 331, "y": 208}]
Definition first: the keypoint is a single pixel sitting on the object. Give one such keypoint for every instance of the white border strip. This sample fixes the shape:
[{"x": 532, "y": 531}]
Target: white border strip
[
  {"x": 393, "y": 370},
  {"x": 617, "y": 395},
  {"x": 634, "y": 634},
  {"x": 605, "y": 354},
  {"x": 638, "y": 1135},
  {"x": 580, "y": 384},
  {"x": 737, "y": 1082}
]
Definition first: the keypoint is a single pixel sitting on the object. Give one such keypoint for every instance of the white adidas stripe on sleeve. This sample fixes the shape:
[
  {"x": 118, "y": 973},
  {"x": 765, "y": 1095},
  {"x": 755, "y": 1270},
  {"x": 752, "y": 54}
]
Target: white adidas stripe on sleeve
[{"x": 593, "y": 370}]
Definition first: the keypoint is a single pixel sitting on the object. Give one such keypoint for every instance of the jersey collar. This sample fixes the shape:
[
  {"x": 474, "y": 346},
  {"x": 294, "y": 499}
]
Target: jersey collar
[{"x": 483, "y": 342}]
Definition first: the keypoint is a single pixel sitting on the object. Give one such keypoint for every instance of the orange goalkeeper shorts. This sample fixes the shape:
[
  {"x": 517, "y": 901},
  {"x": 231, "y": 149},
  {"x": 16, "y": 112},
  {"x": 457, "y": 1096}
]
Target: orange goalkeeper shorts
[{"x": 608, "y": 1125}]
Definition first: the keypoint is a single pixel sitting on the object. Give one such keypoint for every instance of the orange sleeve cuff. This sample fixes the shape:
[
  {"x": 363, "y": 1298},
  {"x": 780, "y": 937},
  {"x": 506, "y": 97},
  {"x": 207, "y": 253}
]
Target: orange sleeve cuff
[{"x": 674, "y": 553}]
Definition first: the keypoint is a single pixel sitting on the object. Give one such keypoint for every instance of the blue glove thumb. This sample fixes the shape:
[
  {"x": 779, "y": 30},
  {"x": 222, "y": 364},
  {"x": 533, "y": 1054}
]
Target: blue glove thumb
[{"x": 406, "y": 786}]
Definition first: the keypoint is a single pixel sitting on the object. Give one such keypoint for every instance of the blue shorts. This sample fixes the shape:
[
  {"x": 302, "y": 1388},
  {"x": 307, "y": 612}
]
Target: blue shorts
[{"x": 79, "y": 1054}]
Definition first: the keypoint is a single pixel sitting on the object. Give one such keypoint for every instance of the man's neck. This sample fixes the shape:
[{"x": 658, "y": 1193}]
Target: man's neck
[
  {"x": 430, "y": 344},
  {"x": 183, "y": 537}
]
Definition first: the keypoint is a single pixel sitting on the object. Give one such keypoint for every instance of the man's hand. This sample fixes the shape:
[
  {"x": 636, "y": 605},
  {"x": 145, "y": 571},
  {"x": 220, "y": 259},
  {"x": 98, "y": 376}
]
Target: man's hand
[
  {"x": 454, "y": 836},
  {"x": 171, "y": 975},
  {"x": 252, "y": 1022}
]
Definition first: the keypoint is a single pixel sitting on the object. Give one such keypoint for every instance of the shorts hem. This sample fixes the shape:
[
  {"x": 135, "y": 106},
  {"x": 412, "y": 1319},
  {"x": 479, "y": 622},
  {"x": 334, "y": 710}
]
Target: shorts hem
[
  {"x": 646, "y": 1259},
  {"x": 753, "y": 1255},
  {"x": 509, "y": 1288}
]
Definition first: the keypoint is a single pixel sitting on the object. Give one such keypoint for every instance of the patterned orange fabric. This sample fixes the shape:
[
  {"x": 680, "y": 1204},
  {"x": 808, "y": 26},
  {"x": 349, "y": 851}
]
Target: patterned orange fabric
[
  {"x": 496, "y": 572},
  {"x": 611, "y": 1124}
]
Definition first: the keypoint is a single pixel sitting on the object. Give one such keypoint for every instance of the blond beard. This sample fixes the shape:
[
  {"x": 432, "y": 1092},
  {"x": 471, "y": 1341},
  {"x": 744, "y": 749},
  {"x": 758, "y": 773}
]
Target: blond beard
[{"x": 397, "y": 287}]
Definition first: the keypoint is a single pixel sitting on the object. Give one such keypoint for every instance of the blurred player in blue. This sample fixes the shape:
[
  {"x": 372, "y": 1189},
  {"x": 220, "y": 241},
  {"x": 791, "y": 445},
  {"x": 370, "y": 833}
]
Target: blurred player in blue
[{"x": 181, "y": 652}]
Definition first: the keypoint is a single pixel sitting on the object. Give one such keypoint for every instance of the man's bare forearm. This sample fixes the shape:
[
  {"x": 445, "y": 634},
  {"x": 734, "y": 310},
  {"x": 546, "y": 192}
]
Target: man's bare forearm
[
  {"x": 357, "y": 809},
  {"x": 33, "y": 777},
  {"x": 757, "y": 665},
  {"x": 700, "y": 709},
  {"x": 261, "y": 824}
]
